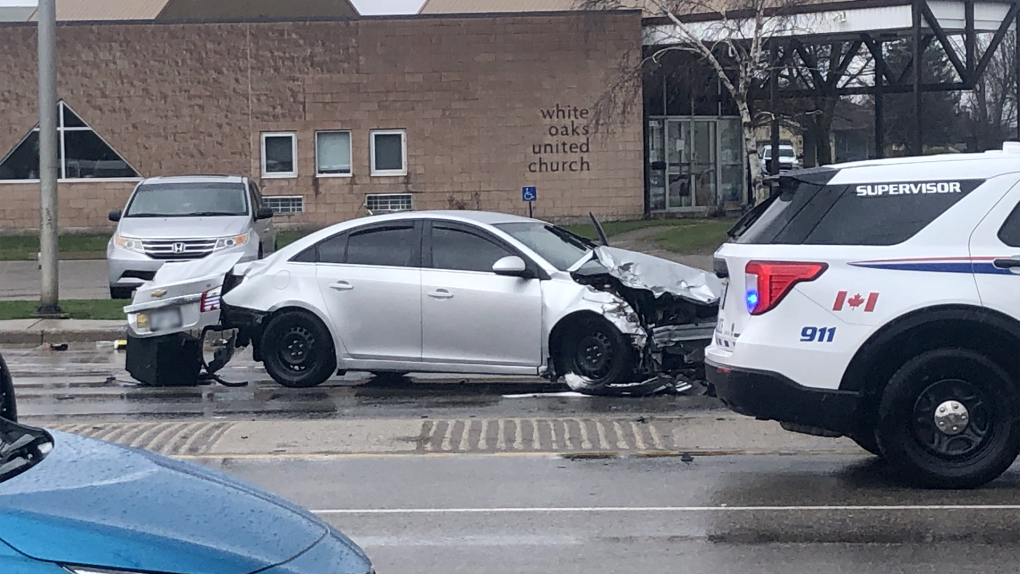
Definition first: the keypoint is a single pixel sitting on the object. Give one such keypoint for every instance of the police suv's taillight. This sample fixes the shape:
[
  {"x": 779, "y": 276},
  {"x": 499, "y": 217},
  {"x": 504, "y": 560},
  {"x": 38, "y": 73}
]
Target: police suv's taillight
[
  {"x": 211, "y": 300},
  {"x": 769, "y": 281}
]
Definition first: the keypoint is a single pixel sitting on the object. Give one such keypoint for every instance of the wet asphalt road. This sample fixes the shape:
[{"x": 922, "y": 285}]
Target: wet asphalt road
[
  {"x": 513, "y": 512},
  {"x": 721, "y": 515},
  {"x": 86, "y": 383}
]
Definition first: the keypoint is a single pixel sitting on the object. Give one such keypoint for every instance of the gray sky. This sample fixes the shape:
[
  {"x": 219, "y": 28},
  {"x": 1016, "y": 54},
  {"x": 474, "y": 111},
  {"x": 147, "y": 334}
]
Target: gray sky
[{"x": 367, "y": 7}]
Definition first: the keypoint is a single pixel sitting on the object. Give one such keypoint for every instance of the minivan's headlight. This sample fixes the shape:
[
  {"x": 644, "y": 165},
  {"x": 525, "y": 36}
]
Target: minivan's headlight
[
  {"x": 234, "y": 241},
  {"x": 129, "y": 243}
]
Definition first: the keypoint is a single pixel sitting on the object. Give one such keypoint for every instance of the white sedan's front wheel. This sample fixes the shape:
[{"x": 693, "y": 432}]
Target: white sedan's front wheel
[{"x": 595, "y": 355}]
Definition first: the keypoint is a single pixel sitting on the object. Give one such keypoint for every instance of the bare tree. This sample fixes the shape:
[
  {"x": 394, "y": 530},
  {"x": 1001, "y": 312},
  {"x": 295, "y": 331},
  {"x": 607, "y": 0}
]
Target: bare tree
[
  {"x": 822, "y": 70},
  {"x": 732, "y": 37},
  {"x": 992, "y": 108}
]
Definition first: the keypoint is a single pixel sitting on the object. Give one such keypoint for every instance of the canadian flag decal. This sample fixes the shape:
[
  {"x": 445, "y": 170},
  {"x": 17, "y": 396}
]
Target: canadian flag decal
[{"x": 854, "y": 302}]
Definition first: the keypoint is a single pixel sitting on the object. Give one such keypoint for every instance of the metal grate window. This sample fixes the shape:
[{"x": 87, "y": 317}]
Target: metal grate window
[
  {"x": 389, "y": 202},
  {"x": 285, "y": 204}
]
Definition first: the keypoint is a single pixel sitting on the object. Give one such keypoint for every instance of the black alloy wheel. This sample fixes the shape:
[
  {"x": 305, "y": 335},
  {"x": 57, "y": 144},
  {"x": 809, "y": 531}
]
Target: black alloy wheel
[
  {"x": 949, "y": 419},
  {"x": 297, "y": 350},
  {"x": 595, "y": 355}
]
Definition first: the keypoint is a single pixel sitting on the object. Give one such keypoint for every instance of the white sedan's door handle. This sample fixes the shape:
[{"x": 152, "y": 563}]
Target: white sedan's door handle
[
  {"x": 441, "y": 294},
  {"x": 341, "y": 286}
]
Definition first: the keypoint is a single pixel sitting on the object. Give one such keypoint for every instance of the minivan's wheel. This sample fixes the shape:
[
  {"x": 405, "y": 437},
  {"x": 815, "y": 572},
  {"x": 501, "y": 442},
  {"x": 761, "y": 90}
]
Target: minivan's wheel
[
  {"x": 948, "y": 419},
  {"x": 595, "y": 354},
  {"x": 297, "y": 350},
  {"x": 8, "y": 406},
  {"x": 121, "y": 292}
]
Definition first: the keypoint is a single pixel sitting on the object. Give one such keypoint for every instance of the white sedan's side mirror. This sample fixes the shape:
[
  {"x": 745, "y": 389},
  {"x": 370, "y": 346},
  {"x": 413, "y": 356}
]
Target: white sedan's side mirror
[{"x": 510, "y": 265}]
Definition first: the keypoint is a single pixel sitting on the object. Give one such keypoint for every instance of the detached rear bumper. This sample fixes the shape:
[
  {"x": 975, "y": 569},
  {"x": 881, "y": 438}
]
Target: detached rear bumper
[{"x": 771, "y": 396}]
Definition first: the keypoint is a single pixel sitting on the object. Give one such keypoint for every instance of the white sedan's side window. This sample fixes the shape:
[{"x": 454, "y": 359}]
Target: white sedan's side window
[
  {"x": 384, "y": 247},
  {"x": 458, "y": 250}
]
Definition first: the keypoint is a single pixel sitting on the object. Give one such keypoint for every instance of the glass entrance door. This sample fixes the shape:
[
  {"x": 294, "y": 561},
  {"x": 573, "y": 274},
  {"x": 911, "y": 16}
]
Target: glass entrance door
[
  {"x": 695, "y": 162},
  {"x": 703, "y": 162},
  {"x": 678, "y": 165}
]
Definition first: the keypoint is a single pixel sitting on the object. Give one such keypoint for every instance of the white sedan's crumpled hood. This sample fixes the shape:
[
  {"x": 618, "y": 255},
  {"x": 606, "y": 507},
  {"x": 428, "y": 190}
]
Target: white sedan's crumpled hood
[{"x": 660, "y": 276}]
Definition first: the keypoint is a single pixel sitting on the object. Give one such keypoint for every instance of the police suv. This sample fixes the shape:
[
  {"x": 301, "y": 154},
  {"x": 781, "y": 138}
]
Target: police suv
[{"x": 880, "y": 300}]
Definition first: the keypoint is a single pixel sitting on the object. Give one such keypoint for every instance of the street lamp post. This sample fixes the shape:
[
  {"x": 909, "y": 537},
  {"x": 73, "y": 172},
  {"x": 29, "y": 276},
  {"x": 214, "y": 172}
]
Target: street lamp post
[{"x": 49, "y": 250}]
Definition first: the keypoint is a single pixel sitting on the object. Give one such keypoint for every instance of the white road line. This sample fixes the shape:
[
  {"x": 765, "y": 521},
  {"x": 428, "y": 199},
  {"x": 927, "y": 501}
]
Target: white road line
[
  {"x": 621, "y": 442},
  {"x": 460, "y": 541},
  {"x": 483, "y": 442},
  {"x": 447, "y": 436},
  {"x": 465, "y": 436},
  {"x": 186, "y": 447},
  {"x": 603, "y": 442},
  {"x": 585, "y": 443},
  {"x": 552, "y": 431},
  {"x": 638, "y": 439},
  {"x": 518, "y": 435},
  {"x": 616, "y": 509},
  {"x": 501, "y": 435},
  {"x": 656, "y": 439}
]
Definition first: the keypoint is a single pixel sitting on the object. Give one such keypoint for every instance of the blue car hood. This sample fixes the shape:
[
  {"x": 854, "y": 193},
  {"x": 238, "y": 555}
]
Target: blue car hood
[{"x": 94, "y": 503}]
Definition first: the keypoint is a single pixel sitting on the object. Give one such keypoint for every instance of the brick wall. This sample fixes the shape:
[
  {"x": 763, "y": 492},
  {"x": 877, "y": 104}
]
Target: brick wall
[{"x": 194, "y": 98}]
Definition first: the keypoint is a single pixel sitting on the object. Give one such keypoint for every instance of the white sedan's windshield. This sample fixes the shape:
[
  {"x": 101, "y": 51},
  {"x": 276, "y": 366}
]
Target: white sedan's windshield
[
  {"x": 188, "y": 200},
  {"x": 558, "y": 246}
]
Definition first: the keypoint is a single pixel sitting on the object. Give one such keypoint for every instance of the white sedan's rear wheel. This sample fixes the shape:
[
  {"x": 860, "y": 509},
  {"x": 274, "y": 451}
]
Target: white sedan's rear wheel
[{"x": 297, "y": 350}]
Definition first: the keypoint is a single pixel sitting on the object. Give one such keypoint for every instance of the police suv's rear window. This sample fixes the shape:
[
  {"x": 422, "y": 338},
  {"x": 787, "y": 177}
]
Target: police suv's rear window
[{"x": 881, "y": 213}]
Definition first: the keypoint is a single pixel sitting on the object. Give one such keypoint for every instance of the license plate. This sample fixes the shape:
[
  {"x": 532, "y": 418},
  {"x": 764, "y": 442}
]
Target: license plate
[{"x": 164, "y": 319}]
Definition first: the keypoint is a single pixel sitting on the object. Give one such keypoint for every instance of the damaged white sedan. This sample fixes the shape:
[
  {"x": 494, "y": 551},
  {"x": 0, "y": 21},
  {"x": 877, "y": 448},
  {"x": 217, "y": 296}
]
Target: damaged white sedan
[{"x": 455, "y": 292}]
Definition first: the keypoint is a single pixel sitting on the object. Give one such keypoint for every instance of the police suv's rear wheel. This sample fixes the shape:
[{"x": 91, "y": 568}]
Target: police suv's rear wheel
[
  {"x": 297, "y": 350},
  {"x": 948, "y": 419},
  {"x": 867, "y": 441}
]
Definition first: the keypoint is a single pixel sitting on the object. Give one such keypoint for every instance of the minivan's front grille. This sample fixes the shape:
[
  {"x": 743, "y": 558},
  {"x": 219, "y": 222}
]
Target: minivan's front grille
[{"x": 179, "y": 249}]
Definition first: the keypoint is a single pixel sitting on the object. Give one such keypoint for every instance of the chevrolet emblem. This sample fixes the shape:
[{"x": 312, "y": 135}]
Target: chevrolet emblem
[{"x": 159, "y": 293}]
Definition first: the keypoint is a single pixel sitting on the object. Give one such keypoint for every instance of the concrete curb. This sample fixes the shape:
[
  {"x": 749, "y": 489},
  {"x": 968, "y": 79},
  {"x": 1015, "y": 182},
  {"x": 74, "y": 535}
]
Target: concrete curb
[
  {"x": 46, "y": 336},
  {"x": 40, "y": 331}
]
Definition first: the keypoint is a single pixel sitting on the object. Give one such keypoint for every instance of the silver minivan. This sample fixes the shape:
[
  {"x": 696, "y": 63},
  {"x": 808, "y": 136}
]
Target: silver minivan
[{"x": 185, "y": 218}]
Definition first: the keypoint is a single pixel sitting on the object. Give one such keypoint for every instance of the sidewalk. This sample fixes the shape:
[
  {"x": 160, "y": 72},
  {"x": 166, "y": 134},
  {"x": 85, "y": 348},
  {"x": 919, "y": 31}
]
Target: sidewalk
[
  {"x": 78, "y": 280},
  {"x": 40, "y": 331}
]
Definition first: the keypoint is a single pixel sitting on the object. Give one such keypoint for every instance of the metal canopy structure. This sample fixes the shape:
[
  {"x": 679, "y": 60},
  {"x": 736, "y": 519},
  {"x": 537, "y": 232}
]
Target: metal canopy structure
[{"x": 858, "y": 30}]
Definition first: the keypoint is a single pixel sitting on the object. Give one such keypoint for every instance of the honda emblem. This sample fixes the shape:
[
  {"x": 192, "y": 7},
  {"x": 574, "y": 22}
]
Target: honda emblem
[{"x": 178, "y": 248}]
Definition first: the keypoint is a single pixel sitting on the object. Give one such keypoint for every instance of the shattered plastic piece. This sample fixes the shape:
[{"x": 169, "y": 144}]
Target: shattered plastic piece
[
  {"x": 660, "y": 384},
  {"x": 667, "y": 335},
  {"x": 660, "y": 276},
  {"x": 57, "y": 346}
]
